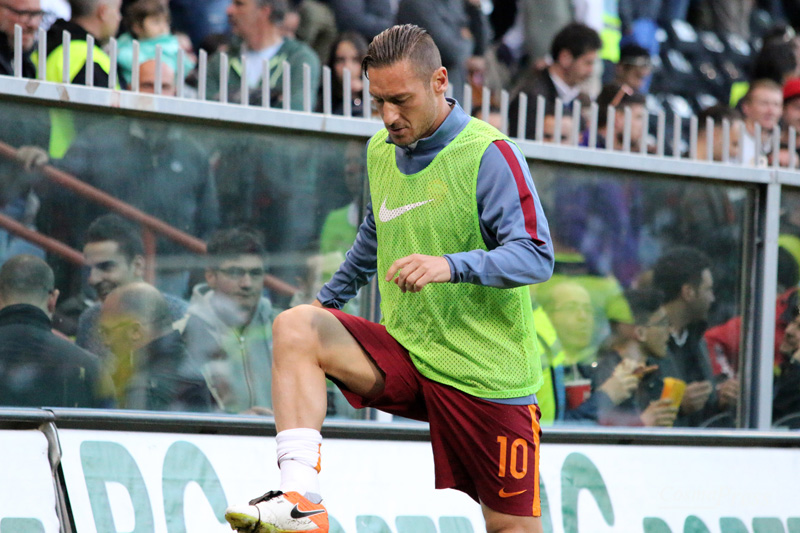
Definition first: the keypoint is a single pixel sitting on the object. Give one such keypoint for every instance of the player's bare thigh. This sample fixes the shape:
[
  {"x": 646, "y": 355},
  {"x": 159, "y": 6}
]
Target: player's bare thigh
[
  {"x": 505, "y": 523},
  {"x": 310, "y": 331}
]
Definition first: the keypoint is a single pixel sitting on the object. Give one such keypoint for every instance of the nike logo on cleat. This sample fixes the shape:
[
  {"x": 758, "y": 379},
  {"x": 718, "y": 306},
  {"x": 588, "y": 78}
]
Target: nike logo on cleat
[
  {"x": 504, "y": 494},
  {"x": 297, "y": 513}
]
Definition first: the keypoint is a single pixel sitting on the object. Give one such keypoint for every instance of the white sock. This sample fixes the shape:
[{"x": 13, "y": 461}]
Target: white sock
[{"x": 299, "y": 460}]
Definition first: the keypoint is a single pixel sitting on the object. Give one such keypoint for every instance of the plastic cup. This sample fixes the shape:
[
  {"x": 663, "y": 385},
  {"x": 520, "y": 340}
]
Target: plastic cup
[
  {"x": 673, "y": 390},
  {"x": 578, "y": 391}
]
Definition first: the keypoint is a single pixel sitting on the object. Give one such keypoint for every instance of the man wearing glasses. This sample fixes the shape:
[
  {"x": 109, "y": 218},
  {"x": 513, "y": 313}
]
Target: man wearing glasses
[
  {"x": 28, "y": 15},
  {"x": 229, "y": 326}
]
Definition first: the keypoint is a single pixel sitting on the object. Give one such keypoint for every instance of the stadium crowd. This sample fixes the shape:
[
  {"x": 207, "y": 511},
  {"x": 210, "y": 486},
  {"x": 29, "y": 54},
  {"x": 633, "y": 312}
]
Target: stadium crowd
[{"x": 630, "y": 307}]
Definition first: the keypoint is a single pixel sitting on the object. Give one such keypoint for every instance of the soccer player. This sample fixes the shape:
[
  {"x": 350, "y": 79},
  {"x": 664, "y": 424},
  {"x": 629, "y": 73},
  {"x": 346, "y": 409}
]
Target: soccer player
[{"x": 462, "y": 234}]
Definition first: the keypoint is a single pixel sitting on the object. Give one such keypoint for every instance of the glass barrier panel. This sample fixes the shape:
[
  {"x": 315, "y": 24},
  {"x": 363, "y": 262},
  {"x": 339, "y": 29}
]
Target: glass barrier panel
[
  {"x": 640, "y": 323},
  {"x": 278, "y": 203}
]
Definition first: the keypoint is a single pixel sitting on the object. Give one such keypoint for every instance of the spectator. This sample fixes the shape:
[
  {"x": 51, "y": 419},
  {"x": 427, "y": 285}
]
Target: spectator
[
  {"x": 315, "y": 25},
  {"x": 621, "y": 97},
  {"x": 366, "y": 17},
  {"x": 645, "y": 348},
  {"x": 114, "y": 256},
  {"x": 257, "y": 25},
  {"x": 727, "y": 16},
  {"x": 761, "y": 105},
  {"x": 790, "y": 118},
  {"x": 634, "y": 67},
  {"x": 200, "y": 18},
  {"x": 638, "y": 18},
  {"x": 98, "y": 18},
  {"x": 574, "y": 50},
  {"x": 459, "y": 29},
  {"x": 40, "y": 368},
  {"x": 149, "y": 22},
  {"x": 151, "y": 368},
  {"x": 786, "y": 388},
  {"x": 229, "y": 323},
  {"x": 684, "y": 276},
  {"x": 20, "y": 126},
  {"x": 28, "y": 15},
  {"x": 346, "y": 54},
  {"x": 147, "y": 78},
  {"x": 718, "y": 113}
]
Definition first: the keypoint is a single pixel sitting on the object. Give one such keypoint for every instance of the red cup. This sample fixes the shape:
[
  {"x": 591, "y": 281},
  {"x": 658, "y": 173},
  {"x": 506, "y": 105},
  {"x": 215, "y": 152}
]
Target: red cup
[{"x": 578, "y": 391}]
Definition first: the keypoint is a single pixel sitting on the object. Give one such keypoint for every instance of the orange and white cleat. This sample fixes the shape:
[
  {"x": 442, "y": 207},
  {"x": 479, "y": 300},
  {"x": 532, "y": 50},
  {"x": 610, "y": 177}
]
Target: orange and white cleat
[{"x": 278, "y": 512}]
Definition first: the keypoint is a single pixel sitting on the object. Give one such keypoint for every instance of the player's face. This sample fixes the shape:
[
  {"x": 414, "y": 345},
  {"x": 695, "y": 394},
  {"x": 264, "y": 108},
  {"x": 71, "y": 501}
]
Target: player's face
[
  {"x": 239, "y": 281},
  {"x": 406, "y": 101},
  {"x": 109, "y": 268}
]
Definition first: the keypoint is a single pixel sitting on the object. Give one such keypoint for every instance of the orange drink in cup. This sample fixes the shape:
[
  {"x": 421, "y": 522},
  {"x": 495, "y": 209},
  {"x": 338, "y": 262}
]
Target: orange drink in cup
[{"x": 673, "y": 390}]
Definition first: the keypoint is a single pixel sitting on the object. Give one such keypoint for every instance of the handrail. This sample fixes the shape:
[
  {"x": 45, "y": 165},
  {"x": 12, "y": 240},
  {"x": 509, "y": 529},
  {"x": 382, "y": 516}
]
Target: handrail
[
  {"x": 150, "y": 223},
  {"x": 48, "y": 243}
]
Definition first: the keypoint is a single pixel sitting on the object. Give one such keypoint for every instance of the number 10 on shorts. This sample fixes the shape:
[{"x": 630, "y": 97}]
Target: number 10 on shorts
[{"x": 516, "y": 454}]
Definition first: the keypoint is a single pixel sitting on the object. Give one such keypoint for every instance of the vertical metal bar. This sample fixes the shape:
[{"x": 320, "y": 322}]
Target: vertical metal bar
[
  {"x": 366, "y": 98},
  {"x": 626, "y": 129},
  {"x": 65, "y": 39},
  {"x": 792, "y": 147},
  {"x": 202, "y": 74},
  {"x": 112, "y": 70},
  {"x": 89, "y": 61},
  {"x": 486, "y": 103},
  {"x": 759, "y": 147},
  {"x": 467, "y": 104},
  {"x": 576, "y": 123},
  {"x": 504, "y": 111},
  {"x": 660, "y": 133},
  {"x": 180, "y": 75},
  {"x": 287, "y": 86},
  {"x": 244, "y": 83},
  {"x": 307, "y": 88},
  {"x": 17, "y": 51},
  {"x": 347, "y": 91},
  {"x": 677, "y": 124},
  {"x": 709, "y": 139},
  {"x": 266, "y": 92},
  {"x": 760, "y": 380},
  {"x": 776, "y": 147},
  {"x": 558, "y": 117},
  {"x": 522, "y": 115},
  {"x": 593, "y": 118},
  {"x": 645, "y": 134},
  {"x": 726, "y": 140},
  {"x": 158, "y": 89},
  {"x": 327, "y": 106},
  {"x": 539, "y": 133},
  {"x": 611, "y": 123},
  {"x": 223, "y": 78},
  {"x": 42, "y": 67},
  {"x": 135, "y": 68},
  {"x": 693, "y": 127}
]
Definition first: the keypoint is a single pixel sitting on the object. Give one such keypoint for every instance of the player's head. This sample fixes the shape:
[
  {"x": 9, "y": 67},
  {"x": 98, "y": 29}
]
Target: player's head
[{"x": 407, "y": 82}]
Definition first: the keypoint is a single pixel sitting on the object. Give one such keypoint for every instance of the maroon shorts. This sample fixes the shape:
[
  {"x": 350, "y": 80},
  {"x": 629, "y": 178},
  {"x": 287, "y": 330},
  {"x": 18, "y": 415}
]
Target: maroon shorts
[{"x": 486, "y": 449}]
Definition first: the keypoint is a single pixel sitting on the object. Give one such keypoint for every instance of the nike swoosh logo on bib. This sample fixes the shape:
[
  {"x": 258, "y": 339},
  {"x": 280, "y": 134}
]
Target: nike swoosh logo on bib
[{"x": 385, "y": 215}]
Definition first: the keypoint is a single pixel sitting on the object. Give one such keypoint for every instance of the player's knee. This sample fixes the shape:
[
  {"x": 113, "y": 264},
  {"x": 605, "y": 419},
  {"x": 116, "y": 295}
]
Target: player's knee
[{"x": 295, "y": 326}]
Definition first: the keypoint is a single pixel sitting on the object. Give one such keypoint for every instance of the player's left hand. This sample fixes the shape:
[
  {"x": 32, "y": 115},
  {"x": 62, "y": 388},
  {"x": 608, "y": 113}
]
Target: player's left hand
[{"x": 415, "y": 271}]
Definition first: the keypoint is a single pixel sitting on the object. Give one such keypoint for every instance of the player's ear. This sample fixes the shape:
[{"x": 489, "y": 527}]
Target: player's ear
[{"x": 439, "y": 80}]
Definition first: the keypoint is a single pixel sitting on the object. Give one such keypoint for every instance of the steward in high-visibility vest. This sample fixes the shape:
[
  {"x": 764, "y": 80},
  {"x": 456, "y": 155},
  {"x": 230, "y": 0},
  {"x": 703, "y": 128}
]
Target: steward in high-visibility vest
[
  {"x": 63, "y": 128},
  {"x": 611, "y": 34}
]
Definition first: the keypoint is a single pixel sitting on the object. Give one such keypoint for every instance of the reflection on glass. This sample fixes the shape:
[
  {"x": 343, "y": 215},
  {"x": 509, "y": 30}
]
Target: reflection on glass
[{"x": 630, "y": 304}]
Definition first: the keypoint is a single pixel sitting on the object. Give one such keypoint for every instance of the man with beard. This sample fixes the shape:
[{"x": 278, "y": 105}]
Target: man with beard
[
  {"x": 229, "y": 328},
  {"x": 114, "y": 255}
]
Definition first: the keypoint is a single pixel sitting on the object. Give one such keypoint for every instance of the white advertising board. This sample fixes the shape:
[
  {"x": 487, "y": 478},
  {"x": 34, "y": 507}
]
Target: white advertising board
[
  {"x": 155, "y": 482},
  {"x": 27, "y": 493}
]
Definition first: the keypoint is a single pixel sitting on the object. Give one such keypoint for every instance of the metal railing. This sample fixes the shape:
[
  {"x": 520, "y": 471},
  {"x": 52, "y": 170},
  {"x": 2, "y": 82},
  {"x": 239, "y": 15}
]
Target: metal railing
[{"x": 151, "y": 226}]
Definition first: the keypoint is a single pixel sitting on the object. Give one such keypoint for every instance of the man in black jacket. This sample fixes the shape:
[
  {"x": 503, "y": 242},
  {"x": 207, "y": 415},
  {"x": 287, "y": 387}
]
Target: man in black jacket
[
  {"x": 28, "y": 15},
  {"x": 37, "y": 367}
]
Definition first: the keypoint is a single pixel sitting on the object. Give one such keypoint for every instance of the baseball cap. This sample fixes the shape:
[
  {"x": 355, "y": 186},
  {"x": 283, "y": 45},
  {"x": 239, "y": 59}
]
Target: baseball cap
[{"x": 791, "y": 89}]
